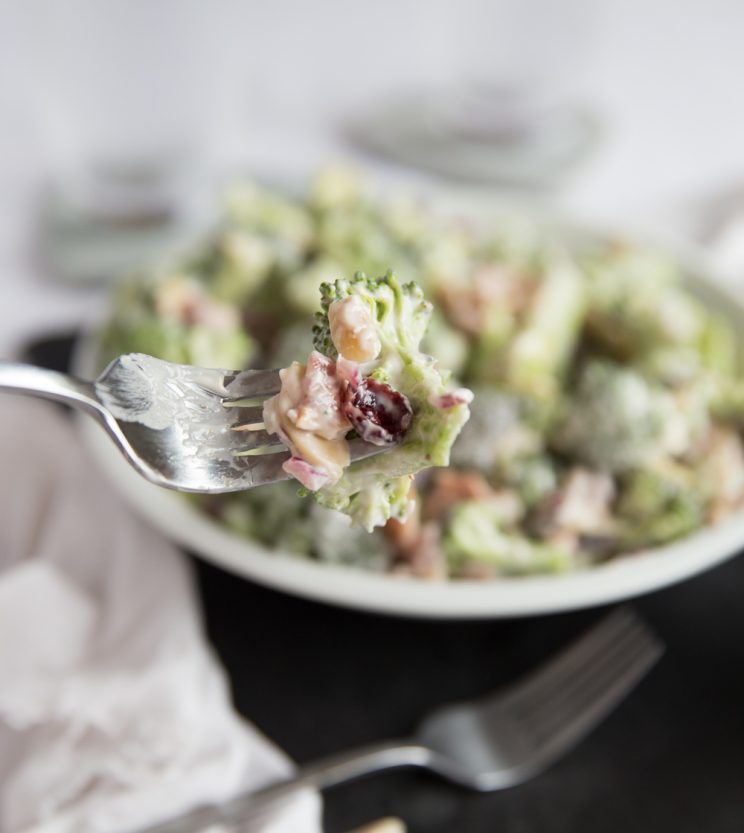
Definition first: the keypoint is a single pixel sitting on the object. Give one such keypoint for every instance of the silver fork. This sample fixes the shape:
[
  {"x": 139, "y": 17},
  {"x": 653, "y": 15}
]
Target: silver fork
[
  {"x": 175, "y": 423},
  {"x": 487, "y": 744}
]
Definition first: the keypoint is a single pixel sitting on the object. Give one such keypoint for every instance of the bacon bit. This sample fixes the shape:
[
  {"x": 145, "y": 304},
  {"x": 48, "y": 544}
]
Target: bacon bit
[
  {"x": 423, "y": 556},
  {"x": 722, "y": 471},
  {"x": 320, "y": 408},
  {"x": 403, "y": 534},
  {"x": 311, "y": 477},
  {"x": 461, "y": 396},
  {"x": 417, "y": 545},
  {"x": 452, "y": 487},
  {"x": 185, "y": 300},
  {"x": 477, "y": 571},
  {"x": 327, "y": 456},
  {"x": 467, "y": 307}
]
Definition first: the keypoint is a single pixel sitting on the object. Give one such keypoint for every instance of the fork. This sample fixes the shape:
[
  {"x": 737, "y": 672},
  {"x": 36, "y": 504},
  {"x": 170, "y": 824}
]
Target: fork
[
  {"x": 174, "y": 423},
  {"x": 488, "y": 744}
]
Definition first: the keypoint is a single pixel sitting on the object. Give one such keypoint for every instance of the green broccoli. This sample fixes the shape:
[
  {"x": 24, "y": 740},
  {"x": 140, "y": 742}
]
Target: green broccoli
[
  {"x": 475, "y": 533},
  {"x": 191, "y": 328},
  {"x": 636, "y": 304},
  {"x": 400, "y": 310},
  {"x": 658, "y": 505},
  {"x": 727, "y": 402},
  {"x": 446, "y": 344},
  {"x": 539, "y": 354},
  {"x": 375, "y": 489},
  {"x": 616, "y": 420},
  {"x": 532, "y": 476},
  {"x": 718, "y": 346}
]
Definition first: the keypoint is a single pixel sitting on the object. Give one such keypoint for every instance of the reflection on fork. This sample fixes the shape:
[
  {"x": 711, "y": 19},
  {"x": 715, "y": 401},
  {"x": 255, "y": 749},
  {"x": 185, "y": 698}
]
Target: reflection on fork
[{"x": 174, "y": 423}]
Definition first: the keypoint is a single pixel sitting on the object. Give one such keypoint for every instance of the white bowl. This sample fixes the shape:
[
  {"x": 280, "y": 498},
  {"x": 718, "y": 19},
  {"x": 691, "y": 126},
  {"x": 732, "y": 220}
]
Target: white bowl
[{"x": 621, "y": 578}]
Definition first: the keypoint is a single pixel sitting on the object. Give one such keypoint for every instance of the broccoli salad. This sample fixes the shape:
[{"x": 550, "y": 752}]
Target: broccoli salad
[
  {"x": 366, "y": 375},
  {"x": 608, "y": 408}
]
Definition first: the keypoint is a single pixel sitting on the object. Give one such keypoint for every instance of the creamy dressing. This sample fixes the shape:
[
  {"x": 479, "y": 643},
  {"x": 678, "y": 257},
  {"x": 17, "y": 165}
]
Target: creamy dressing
[
  {"x": 320, "y": 408},
  {"x": 285, "y": 414}
]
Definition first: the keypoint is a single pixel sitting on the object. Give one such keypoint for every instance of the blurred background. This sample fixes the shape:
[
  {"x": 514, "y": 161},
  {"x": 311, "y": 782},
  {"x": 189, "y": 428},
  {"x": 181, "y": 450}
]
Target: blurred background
[
  {"x": 120, "y": 121},
  {"x": 119, "y": 116}
]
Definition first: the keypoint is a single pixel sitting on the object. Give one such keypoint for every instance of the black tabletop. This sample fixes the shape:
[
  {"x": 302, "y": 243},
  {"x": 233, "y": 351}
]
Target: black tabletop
[{"x": 319, "y": 679}]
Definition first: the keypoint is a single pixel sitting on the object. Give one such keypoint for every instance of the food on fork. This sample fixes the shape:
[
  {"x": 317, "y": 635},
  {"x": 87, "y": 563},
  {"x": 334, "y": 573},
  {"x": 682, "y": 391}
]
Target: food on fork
[{"x": 367, "y": 376}]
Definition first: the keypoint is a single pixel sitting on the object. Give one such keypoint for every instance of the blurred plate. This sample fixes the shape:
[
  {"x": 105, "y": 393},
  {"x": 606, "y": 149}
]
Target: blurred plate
[
  {"x": 422, "y": 132},
  {"x": 622, "y": 578}
]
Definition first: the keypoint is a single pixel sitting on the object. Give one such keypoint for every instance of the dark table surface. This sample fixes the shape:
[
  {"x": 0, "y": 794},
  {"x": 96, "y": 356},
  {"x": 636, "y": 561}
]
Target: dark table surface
[{"x": 319, "y": 679}]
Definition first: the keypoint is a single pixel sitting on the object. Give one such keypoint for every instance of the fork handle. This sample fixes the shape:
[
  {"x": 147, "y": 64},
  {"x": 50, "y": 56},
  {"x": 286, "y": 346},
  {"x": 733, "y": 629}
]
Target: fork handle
[
  {"x": 326, "y": 772},
  {"x": 48, "y": 384}
]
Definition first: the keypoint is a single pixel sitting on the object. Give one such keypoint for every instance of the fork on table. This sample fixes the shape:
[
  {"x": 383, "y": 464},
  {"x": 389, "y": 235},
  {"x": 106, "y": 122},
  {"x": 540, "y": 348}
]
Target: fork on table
[{"x": 488, "y": 744}]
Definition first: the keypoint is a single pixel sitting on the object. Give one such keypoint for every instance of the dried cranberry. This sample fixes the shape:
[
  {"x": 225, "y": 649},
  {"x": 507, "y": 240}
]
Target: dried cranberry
[{"x": 380, "y": 414}]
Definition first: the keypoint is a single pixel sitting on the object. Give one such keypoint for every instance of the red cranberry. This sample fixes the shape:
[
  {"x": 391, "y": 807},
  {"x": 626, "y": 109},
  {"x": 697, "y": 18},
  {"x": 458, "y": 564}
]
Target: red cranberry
[{"x": 380, "y": 414}]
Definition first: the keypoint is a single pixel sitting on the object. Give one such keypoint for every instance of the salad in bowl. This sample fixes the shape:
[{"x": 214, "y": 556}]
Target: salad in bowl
[{"x": 608, "y": 402}]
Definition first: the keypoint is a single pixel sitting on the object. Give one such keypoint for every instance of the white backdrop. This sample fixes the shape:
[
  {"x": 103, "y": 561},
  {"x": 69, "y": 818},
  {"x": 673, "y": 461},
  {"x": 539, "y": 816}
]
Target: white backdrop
[{"x": 665, "y": 76}]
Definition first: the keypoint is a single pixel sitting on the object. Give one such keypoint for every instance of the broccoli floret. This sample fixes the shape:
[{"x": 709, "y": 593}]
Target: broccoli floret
[
  {"x": 727, "y": 403},
  {"x": 718, "y": 346},
  {"x": 714, "y": 353},
  {"x": 400, "y": 310},
  {"x": 275, "y": 517},
  {"x": 658, "y": 505},
  {"x": 671, "y": 366},
  {"x": 617, "y": 419},
  {"x": 281, "y": 220},
  {"x": 475, "y": 532},
  {"x": 243, "y": 261},
  {"x": 540, "y": 353},
  {"x": 446, "y": 344},
  {"x": 532, "y": 476},
  {"x": 214, "y": 348},
  {"x": 338, "y": 186},
  {"x": 374, "y": 489},
  {"x": 144, "y": 324},
  {"x": 636, "y": 304},
  {"x": 370, "y": 497},
  {"x": 497, "y": 431}
]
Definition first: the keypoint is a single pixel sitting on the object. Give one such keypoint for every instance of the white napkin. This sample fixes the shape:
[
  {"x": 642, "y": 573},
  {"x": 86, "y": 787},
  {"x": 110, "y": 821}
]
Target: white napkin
[{"x": 113, "y": 710}]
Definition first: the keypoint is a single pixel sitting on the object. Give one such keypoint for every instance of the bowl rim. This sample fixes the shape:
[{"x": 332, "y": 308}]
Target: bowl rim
[{"x": 623, "y": 577}]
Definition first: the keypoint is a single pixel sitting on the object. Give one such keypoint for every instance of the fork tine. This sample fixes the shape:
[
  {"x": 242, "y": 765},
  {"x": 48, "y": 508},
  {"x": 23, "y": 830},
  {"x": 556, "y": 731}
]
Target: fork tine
[
  {"x": 232, "y": 442},
  {"x": 587, "y": 715},
  {"x": 623, "y": 646},
  {"x": 268, "y": 468},
  {"x": 360, "y": 450},
  {"x": 252, "y": 384},
  {"x": 598, "y": 690},
  {"x": 561, "y": 719},
  {"x": 246, "y": 413},
  {"x": 263, "y": 469},
  {"x": 549, "y": 679}
]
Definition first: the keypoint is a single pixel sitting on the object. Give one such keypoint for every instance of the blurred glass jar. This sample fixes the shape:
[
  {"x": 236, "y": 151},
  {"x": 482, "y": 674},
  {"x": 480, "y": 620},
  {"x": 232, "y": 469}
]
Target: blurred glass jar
[
  {"x": 130, "y": 96},
  {"x": 507, "y": 105}
]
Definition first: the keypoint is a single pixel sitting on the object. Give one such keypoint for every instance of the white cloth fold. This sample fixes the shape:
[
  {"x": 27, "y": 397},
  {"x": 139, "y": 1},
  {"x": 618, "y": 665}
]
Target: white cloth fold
[{"x": 114, "y": 713}]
